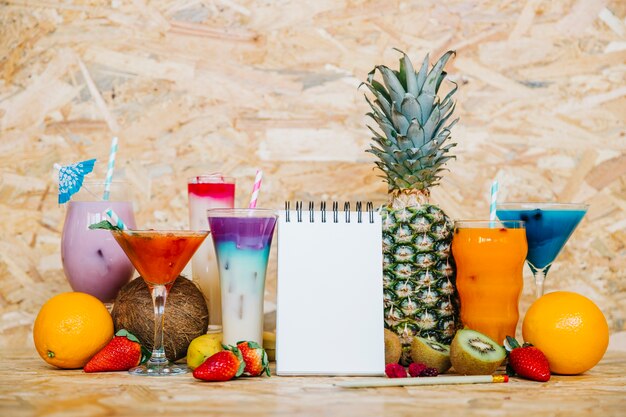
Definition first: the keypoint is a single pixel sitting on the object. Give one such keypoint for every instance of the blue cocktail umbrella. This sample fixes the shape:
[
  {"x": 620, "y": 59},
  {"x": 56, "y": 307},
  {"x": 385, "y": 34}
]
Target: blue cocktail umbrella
[{"x": 71, "y": 178}]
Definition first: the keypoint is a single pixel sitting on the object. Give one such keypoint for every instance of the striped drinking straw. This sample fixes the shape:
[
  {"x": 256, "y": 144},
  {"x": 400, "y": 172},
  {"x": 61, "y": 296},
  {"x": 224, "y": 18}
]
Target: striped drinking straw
[
  {"x": 110, "y": 167},
  {"x": 255, "y": 189},
  {"x": 115, "y": 219},
  {"x": 494, "y": 199}
]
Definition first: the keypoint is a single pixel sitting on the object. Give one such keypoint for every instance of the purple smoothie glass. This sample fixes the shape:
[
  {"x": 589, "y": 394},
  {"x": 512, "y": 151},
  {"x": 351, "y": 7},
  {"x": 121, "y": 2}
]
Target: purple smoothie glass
[{"x": 93, "y": 262}]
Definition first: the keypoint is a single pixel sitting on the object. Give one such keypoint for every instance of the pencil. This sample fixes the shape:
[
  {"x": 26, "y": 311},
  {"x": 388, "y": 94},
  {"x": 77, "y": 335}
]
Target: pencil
[{"x": 440, "y": 380}]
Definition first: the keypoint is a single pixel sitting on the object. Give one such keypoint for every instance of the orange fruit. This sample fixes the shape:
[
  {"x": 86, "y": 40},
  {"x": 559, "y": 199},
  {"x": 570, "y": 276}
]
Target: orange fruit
[
  {"x": 569, "y": 329},
  {"x": 70, "y": 328}
]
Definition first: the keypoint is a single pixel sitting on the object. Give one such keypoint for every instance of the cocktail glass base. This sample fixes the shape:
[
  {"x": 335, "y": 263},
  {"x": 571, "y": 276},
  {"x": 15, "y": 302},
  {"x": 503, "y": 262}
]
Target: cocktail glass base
[{"x": 166, "y": 369}]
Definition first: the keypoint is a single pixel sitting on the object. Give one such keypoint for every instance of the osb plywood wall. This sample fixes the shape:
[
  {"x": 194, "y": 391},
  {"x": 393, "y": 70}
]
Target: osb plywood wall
[{"x": 194, "y": 86}]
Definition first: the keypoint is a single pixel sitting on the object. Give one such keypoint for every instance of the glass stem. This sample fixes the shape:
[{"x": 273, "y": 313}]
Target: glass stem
[
  {"x": 159, "y": 296},
  {"x": 540, "y": 277}
]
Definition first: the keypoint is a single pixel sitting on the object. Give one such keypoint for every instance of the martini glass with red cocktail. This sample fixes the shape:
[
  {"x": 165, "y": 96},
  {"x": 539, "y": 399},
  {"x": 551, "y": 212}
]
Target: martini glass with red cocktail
[{"x": 159, "y": 256}]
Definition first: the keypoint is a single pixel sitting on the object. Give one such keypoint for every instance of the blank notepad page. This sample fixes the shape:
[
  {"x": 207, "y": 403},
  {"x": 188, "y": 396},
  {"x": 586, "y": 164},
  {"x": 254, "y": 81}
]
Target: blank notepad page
[{"x": 329, "y": 294}]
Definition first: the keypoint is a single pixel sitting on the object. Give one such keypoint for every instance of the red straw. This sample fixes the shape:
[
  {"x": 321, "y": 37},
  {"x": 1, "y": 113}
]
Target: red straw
[{"x": 255, "y": 189}]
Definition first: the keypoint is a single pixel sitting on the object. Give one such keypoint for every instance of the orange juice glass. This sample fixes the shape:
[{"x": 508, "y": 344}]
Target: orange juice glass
[{"x": 490, "y": 257}]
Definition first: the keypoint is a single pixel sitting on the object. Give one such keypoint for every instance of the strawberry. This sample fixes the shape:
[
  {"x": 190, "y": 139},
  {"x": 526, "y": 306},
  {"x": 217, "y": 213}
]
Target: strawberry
[
  {"x": 222, "y": 366},
  {"x": 122, "y": 353},
  {"x": 527, "y": 361},
  {"x": 255, "y": 358}
]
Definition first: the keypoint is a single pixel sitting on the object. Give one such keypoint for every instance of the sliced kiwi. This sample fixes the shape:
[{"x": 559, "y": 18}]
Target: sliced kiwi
[
  {"x": 473, "y": 353},
  {"x": 393, "y": 347},
  {"x": 431, "y": 354}
]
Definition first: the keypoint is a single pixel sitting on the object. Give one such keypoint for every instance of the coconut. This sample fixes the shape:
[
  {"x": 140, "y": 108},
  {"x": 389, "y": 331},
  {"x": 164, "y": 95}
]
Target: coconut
[{"x": 186, "y": 315}]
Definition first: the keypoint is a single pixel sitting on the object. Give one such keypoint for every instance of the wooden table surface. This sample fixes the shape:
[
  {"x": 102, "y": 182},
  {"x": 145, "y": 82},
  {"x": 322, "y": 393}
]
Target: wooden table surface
[{"x": 29, "y": 387}]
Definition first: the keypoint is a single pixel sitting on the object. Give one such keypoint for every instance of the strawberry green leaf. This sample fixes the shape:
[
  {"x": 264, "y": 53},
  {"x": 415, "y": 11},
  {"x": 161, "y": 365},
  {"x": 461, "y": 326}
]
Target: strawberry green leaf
[
  {"x": 242, "y": 366},
  {"x": 242, "y": 363},
  {"x": 145, "y": 354},
  {"x": 512, "y": 342},
  {"x": 125, "y": 333},
  {"x": 229, "y": 347},
  {"x": 251, "y": 344},
  {"x": 266, "y": 363}
]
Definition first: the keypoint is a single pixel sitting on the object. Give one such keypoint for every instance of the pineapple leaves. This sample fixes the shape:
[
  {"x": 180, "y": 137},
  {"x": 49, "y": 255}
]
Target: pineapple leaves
[
  {"x": 443, "y": 136},
  {"x": 421, "y": 76},
  {"x": 383, "y": 141},
  {"x": 411, "y": 78},
  {"x": 385, "y": 158},
  {"x": 404, "y": 143},
  {"x": 440, "y": 80},
  {"x": 375, "y": 110},
  {"x": 416, "y": 134},
  {"x": 400, "y": 122},
  {"x": 382, "y": 90},
  {"x": 425, "y": 102},
  {"x": 381, "y": 100},
  {"x": 388, "y": 129},
  {"x": 375, "y": 86},
  {"x": 370, "y": 76},
  {"x": 401, "y": 74},
  {"x": 432, "y": 122},
  {"x": 410, "y": 108},
  {"x": 396, "y": 91},
  {"x": 452, "y": 123},
  {"x": 413, "y": 164},
  {"x": 444, "y": 107},
  {"x": 448, "y": 96},
  {"x": 440, "y": 125},
  {"x": 413, "y": 122},
  {"x": 384, "y": 106},
  {"x": 388, "y": 147},
  {"x": 433, "y": 79}
]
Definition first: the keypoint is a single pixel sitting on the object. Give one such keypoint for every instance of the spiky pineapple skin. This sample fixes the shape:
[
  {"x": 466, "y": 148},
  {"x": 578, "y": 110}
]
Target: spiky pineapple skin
[{"x": 420, "y": 297}]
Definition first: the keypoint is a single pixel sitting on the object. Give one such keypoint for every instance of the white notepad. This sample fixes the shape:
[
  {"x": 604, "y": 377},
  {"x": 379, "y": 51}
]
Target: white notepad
[{"x": 330, "y": 293}]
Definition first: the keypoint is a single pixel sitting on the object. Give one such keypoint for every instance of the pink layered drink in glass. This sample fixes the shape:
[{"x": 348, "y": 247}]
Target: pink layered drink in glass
[
  {"x": 92, "y": 261},
  {"x": 208, "y": 192}
]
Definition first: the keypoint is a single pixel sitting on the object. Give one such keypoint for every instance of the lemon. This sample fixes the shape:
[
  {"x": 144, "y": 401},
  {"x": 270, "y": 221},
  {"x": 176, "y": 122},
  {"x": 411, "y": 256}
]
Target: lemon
[{"x": 203, "y": 347}]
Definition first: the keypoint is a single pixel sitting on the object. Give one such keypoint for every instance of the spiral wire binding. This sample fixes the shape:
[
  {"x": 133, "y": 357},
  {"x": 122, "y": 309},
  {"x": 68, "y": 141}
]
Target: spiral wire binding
[
  {"x": 311, "y": 212},
  {"x": 369, "y": 207},
  {"x": 299, "y": 211}
]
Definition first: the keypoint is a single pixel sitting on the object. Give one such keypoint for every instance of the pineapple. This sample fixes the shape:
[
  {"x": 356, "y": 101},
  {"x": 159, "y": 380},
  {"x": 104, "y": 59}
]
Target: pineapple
[{"x": 420, "y": 296}]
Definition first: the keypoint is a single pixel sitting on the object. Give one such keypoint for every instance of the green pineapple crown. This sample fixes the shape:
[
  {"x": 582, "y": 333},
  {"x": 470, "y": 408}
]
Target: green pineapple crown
[{"x": 413, "y": 120}]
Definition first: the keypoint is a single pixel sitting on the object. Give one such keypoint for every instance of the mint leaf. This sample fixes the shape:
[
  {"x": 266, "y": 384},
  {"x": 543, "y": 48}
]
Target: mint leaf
[{"x": 104, "y": 224}]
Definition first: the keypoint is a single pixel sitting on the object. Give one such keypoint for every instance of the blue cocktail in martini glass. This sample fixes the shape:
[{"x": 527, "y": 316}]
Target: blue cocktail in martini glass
[{"x": 548, "y": 226}]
